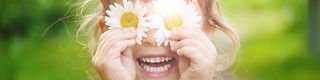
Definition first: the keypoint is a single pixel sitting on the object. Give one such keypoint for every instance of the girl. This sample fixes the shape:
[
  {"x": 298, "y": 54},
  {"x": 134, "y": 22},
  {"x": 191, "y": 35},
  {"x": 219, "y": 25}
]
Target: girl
[{"x": 138, "y": 50}]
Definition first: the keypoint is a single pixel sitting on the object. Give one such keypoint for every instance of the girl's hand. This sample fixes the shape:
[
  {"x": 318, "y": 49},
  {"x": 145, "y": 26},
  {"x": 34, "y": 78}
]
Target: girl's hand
[
  {"x": 196, "y": 53},
  {"x": 113, "y": 58}
]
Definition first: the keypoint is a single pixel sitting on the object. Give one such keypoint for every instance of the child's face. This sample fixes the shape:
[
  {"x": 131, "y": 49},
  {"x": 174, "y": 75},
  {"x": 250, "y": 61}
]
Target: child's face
[{"x": 155, "y": 62}]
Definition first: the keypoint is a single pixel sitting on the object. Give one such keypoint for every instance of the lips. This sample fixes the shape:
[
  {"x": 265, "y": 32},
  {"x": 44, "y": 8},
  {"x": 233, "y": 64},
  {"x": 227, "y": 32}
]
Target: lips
[{"x": 155, "y": 66}]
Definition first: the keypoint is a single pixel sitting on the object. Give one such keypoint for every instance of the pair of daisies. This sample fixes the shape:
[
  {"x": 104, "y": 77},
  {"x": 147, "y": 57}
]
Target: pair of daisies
[{"x": 170, "y": 15}]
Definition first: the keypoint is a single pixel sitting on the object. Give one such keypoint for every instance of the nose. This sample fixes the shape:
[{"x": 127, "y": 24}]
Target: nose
[{"x": 150, "y": 40}]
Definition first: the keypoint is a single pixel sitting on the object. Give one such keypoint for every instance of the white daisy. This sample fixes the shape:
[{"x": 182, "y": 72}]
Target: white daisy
[
  {"x": 172, "y": 14},
  {"x": 128, "y": 16}
]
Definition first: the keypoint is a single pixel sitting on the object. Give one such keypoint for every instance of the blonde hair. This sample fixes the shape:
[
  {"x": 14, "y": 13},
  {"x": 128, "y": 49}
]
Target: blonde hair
[{"x": 89, "y": 25}]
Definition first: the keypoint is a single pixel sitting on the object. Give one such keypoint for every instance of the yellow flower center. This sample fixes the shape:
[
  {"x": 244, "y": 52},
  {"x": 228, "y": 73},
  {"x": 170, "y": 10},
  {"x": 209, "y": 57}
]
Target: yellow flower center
[
  {"x": 129, "y": 19},
  {"x": 172, "y": 21}
]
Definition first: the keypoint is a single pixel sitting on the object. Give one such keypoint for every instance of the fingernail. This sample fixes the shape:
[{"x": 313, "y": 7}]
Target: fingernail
[
  {"x": 172, "y": 46},
  {"x": 178, "y": 51}
]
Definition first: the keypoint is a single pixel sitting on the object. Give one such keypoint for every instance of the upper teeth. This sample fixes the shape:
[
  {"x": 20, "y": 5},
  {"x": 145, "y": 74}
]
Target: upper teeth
[{"x": 155, "y": 59}]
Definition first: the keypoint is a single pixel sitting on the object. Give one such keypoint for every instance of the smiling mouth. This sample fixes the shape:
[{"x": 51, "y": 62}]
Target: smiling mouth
[{"x": 156, "y": 64}]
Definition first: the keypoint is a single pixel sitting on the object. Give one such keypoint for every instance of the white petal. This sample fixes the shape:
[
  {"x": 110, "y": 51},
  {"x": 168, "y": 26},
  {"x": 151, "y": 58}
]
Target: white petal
[
  {"x": 109, "y": 12},
  {"x": 127, "y": 4},
  {"x": 139, "y": 37},
  {"x": 142, "y": 28},
  {"x": 115, "y": 11},
  {"x": 112, "y": 21},
  {"x": 191, "y": 20},
  {"x": 156, "y": 35},
  {"x": 114, "y": 27},
  {"x": 143, "y": 11},
  {"x": 119, "y": 6},
  {"x": 167, "y": 34},
  {"x": 160, "y": 36},
  {"x": 166, "y": 42},
  {"x": 172, "y": 43},
  {"x": 156, "y": 21},
  {"x": 138, "y": 42},
  {"x": 137, "y": 5},
  {"x": 161, "y": 40},
  {"x": 112, "y": 8},
  {"x": 142, "y": 34}
]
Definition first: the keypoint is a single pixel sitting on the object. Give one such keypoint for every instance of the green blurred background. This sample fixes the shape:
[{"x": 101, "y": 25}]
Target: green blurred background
[{"x": 276, "y": 42}]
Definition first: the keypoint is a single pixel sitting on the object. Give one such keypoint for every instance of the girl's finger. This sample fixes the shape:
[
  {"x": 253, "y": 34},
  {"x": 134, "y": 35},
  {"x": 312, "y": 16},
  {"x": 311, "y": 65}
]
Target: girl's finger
[
  {"x": 102, "y": 41},
  {"x": 186, "y": 33},
  {"x": 108, "y": 39},
  {"x": 116, "y": 49},
  {"x": 189, "y": 42},
  {"x": 196, "y": 34},
  {"x": 201, "y": 47},
  {"x": 192, "y": 53},
  {"x": 190, "y": 32},
  {"x": 117, "y": 34},
  {"x": 107, "y": 33}
]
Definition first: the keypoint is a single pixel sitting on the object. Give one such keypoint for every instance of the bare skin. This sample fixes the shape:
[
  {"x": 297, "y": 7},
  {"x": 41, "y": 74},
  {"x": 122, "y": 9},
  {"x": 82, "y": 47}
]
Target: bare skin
[
  {"x": 114, "y": 58},
  {"x": 117, "y": 54}
]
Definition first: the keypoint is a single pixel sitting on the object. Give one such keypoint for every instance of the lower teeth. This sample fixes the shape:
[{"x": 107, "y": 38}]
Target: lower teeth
[{"x": 158, "y": 69}]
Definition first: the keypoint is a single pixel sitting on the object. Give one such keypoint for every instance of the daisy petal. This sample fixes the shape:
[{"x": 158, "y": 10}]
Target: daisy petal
[{"x": 166, "y": 42}]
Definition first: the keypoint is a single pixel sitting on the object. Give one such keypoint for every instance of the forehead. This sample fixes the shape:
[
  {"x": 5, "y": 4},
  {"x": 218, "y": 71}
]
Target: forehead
[
  {"x": 202, "y": 6},
  {"x": 110, "y": 2}
]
